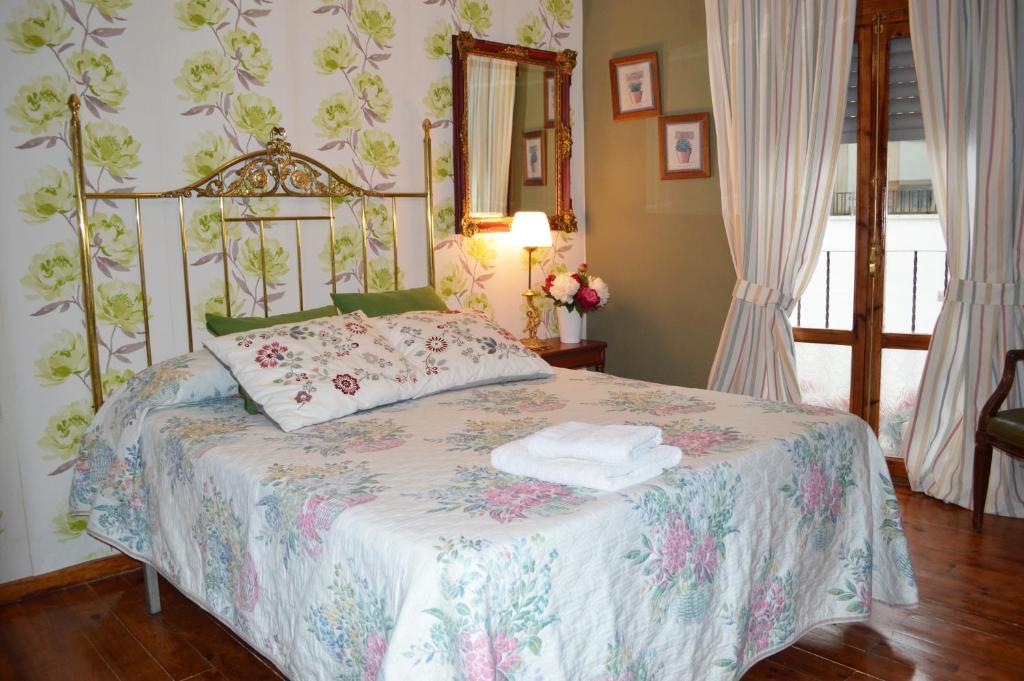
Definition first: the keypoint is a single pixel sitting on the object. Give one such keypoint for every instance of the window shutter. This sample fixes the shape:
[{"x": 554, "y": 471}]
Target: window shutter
[{"x": 905, "y": 121}]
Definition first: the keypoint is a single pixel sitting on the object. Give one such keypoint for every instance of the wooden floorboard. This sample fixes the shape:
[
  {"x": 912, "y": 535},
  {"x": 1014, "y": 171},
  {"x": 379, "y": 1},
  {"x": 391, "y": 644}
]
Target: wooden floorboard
[{"x": 969, "y": 625}]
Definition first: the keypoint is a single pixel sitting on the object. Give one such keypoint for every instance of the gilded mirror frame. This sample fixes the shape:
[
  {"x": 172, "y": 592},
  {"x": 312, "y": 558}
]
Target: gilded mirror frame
[{"x": 562, "y": 64}]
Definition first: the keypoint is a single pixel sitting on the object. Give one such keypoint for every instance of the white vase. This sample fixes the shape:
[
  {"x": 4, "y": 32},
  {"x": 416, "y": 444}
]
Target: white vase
[{"x": 570, "y": 325}]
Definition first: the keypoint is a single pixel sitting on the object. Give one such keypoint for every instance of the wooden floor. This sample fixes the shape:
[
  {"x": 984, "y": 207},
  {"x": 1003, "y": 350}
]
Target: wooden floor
[{"x": 970, "y": 624}]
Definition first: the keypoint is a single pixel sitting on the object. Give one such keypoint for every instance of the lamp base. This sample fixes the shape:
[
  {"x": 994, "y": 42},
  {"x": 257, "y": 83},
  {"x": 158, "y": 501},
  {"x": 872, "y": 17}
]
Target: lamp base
[
  {"x": 532, "y": 322},
  {"x": 534, "y": 343}
]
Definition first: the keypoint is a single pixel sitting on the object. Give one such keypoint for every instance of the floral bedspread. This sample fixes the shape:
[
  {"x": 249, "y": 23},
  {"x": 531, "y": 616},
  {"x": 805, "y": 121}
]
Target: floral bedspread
[{"x": 383, "y": 546}]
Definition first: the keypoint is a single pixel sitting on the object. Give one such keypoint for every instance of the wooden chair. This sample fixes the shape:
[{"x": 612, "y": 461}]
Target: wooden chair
[{"x": 1002, "y": 429}]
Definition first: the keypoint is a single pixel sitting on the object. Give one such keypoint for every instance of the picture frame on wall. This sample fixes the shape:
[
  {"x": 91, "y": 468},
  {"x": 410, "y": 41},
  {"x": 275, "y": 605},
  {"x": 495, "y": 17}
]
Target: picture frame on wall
[
  {"x": 684, "y": 146},
  {"x": 636, "y": 89},
  {"x": 535, "y": 158},
  {"x": 550, "y": 99}
]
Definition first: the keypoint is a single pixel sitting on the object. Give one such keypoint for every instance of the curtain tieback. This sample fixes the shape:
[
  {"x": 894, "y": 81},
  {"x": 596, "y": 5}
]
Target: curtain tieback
[
  {"x": 763, "y": 296},
  {"x": 1006, "y": 294}
]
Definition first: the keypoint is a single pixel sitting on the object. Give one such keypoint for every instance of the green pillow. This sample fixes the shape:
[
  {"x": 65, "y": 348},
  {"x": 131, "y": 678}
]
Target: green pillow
[
  {"x": 220, "y": 325},
  {"x": 390, "y": 302}
]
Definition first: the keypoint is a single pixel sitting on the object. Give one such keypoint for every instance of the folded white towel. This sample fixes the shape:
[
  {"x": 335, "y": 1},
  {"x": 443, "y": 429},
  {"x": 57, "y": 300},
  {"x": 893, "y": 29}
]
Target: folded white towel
[
  {"x": 604, "y": 444},
  {"x": 515, "y": 458}
]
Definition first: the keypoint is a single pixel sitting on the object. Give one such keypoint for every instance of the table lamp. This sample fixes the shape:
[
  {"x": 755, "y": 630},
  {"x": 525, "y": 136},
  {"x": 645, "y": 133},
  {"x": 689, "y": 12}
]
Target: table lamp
[{"x": 531, "y": 230}]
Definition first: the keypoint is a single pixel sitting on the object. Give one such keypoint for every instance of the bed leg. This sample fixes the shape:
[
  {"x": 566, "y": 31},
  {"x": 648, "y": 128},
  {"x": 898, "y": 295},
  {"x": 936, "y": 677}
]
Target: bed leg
[{"x": 152, "y": 579}]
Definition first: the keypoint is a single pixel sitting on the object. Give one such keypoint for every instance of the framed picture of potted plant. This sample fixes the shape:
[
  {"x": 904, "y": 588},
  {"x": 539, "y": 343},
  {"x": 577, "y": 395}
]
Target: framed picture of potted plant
[
  {"x": 684, "y": 142},
  {"x": 534, "y": 161},
  {"x": 636, "y": 91}
]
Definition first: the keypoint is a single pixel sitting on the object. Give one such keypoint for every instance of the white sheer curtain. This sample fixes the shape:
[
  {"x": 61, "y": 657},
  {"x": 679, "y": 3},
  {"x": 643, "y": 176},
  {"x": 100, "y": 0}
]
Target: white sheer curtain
[
  {"x": 970, "y": 71},
  {"x": 778, "y": 79},
  {"x": 491, "y": 95}
]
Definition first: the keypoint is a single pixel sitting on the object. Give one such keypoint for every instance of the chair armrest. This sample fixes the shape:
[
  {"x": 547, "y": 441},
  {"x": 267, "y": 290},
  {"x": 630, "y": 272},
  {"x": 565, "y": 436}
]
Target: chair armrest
[{"x": 1002, "y": 390}]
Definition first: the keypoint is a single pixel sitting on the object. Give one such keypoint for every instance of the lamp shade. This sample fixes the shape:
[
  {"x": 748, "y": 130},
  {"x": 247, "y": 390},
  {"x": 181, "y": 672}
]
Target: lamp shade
[{"x": 531, "y": 229}]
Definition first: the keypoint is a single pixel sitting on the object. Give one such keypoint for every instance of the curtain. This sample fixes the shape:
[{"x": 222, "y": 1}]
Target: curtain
[
  {"x": 778, "y": 80},
  {"x": 970, "y": 67},
  {"x": 491, "y": 94}
]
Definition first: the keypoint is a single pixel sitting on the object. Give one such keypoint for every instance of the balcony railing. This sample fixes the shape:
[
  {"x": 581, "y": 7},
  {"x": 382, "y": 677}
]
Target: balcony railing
[
  {"x": 827, "y": 258},
  {"x": 900, "y": 202}
]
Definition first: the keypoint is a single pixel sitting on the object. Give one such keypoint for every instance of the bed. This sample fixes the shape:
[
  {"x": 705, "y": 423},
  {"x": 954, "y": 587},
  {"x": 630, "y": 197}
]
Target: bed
[{"x": 382, "y": 545}]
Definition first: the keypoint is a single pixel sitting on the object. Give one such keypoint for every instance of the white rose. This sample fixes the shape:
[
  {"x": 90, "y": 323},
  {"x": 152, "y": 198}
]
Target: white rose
[
  {"x": 564, "y": 288},
  {"x": 597, "y": 283}
]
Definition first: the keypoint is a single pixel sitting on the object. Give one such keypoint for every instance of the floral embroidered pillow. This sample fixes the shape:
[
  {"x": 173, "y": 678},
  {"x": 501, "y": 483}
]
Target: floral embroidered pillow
[
  {"x": 314, "y": 371},
  {"x": 459, "y": 349}
]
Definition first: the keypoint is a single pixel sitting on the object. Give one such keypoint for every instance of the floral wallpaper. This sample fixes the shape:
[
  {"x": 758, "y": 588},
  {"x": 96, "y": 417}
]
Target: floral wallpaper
[{"x": 169, "y": 91}]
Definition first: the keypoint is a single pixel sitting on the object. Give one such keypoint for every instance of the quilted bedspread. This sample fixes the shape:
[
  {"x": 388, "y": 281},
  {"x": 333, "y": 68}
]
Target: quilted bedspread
[{"x": 383, "y": 545}]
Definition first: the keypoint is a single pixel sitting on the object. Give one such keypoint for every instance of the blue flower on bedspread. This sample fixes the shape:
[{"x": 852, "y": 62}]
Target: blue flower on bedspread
[
  {"x": 509, "y": 401},
  {"x": 687, "y": 525},
  {"x": 623, "y": 664},
  {"x": 768, "y": 619},
  {"x": 855, "y": 590},
  {"x": 188, "y": 437},
  {"x": 124, "y": 515},
  {"x": 479, "y": 490},
  {"x": 303, "y": 501},
  {"x": 495, "y": 610},
  {"x": 823, "y": 470},
  {"x": 344, "y": 436},
  {"x": 91, "y": 471},
  {"x": 354, "y": 624},
  {"x": 483, "y": 436},
  {"x": 893, "y": 533},
  {"x": 232, "y": 585},
  {"x": 655, "y": 402}
]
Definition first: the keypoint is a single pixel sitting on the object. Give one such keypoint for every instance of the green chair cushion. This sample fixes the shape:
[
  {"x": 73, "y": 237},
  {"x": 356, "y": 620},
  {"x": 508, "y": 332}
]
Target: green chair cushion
[
  {"x": 390, "y": 302},
  {"x": 1008, "y": 425},
  {"x": 220, "y": 325}
]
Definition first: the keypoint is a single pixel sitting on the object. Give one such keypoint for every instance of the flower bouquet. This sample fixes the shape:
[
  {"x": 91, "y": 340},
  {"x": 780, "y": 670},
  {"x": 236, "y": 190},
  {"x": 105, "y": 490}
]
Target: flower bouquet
[{"x": 575, "y": 294}]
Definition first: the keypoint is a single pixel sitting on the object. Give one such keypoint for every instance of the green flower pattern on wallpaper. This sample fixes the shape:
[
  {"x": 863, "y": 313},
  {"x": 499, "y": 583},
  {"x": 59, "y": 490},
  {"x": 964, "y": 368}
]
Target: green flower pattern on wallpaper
[
  {"x": 223, "y": 84},
  {"x": 72, "y": 37}
]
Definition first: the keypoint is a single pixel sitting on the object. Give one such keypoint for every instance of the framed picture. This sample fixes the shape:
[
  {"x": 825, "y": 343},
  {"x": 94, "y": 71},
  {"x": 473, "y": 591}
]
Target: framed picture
[
  {"x": 549, "y": 99},
  {"x": 684, "y": 146},
  {"x": 635, "y": 87},
  {"x": 534, "y": 158}
]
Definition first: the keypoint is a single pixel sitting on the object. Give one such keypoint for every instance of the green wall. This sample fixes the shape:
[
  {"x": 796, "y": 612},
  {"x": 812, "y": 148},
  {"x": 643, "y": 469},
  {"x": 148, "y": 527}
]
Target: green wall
[{"x": 660, "y": 245}]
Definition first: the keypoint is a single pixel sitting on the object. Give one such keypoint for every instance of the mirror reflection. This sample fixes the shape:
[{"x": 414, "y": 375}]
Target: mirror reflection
[{"x": 510, "y": 112}]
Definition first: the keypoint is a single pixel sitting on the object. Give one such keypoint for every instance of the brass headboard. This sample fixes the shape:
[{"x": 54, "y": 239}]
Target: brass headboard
[{"x": 276, "y": 171}]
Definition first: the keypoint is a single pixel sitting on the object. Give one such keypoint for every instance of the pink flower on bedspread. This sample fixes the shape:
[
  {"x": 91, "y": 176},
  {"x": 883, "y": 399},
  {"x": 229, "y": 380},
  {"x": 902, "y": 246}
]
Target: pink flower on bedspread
[
  {"x": 706, "y": 559},
  {"x": 678, "y": 542},
  {"x": 373, "y": 656},
  {"x": 475, "y": 656},
  {"x": 504, "y": 648},
  {"x": 248, "y": 585},
  {"x": 767, "y": 605},
  {"x": 514, "y": 500},
  {"x": 814, "y": 488}
]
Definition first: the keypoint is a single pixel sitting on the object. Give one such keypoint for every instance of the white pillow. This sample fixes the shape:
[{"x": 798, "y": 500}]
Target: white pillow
[
  {"x": 459, "y": 349},
  {"x": 309, "y": 372}
]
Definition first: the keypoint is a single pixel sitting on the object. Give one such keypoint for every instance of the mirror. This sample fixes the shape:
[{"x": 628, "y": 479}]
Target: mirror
[{"x": 511, "y": 115}]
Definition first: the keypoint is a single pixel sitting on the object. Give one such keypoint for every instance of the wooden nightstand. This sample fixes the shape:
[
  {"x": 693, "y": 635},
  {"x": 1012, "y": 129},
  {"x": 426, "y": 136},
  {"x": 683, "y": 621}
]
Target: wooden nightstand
[{"x": 586, "y": 353}]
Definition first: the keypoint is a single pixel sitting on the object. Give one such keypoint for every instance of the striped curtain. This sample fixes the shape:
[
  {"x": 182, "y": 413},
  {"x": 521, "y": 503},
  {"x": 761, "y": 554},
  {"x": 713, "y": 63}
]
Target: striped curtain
[
  {"x": 490, "y": 100},
  {"x": 970, "y": 67},
  {"x": 778, "y": 79}
]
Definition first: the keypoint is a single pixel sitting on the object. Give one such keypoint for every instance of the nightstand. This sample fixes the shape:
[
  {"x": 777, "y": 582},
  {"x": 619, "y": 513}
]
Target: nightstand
[{"x": 586, "y": 353}]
